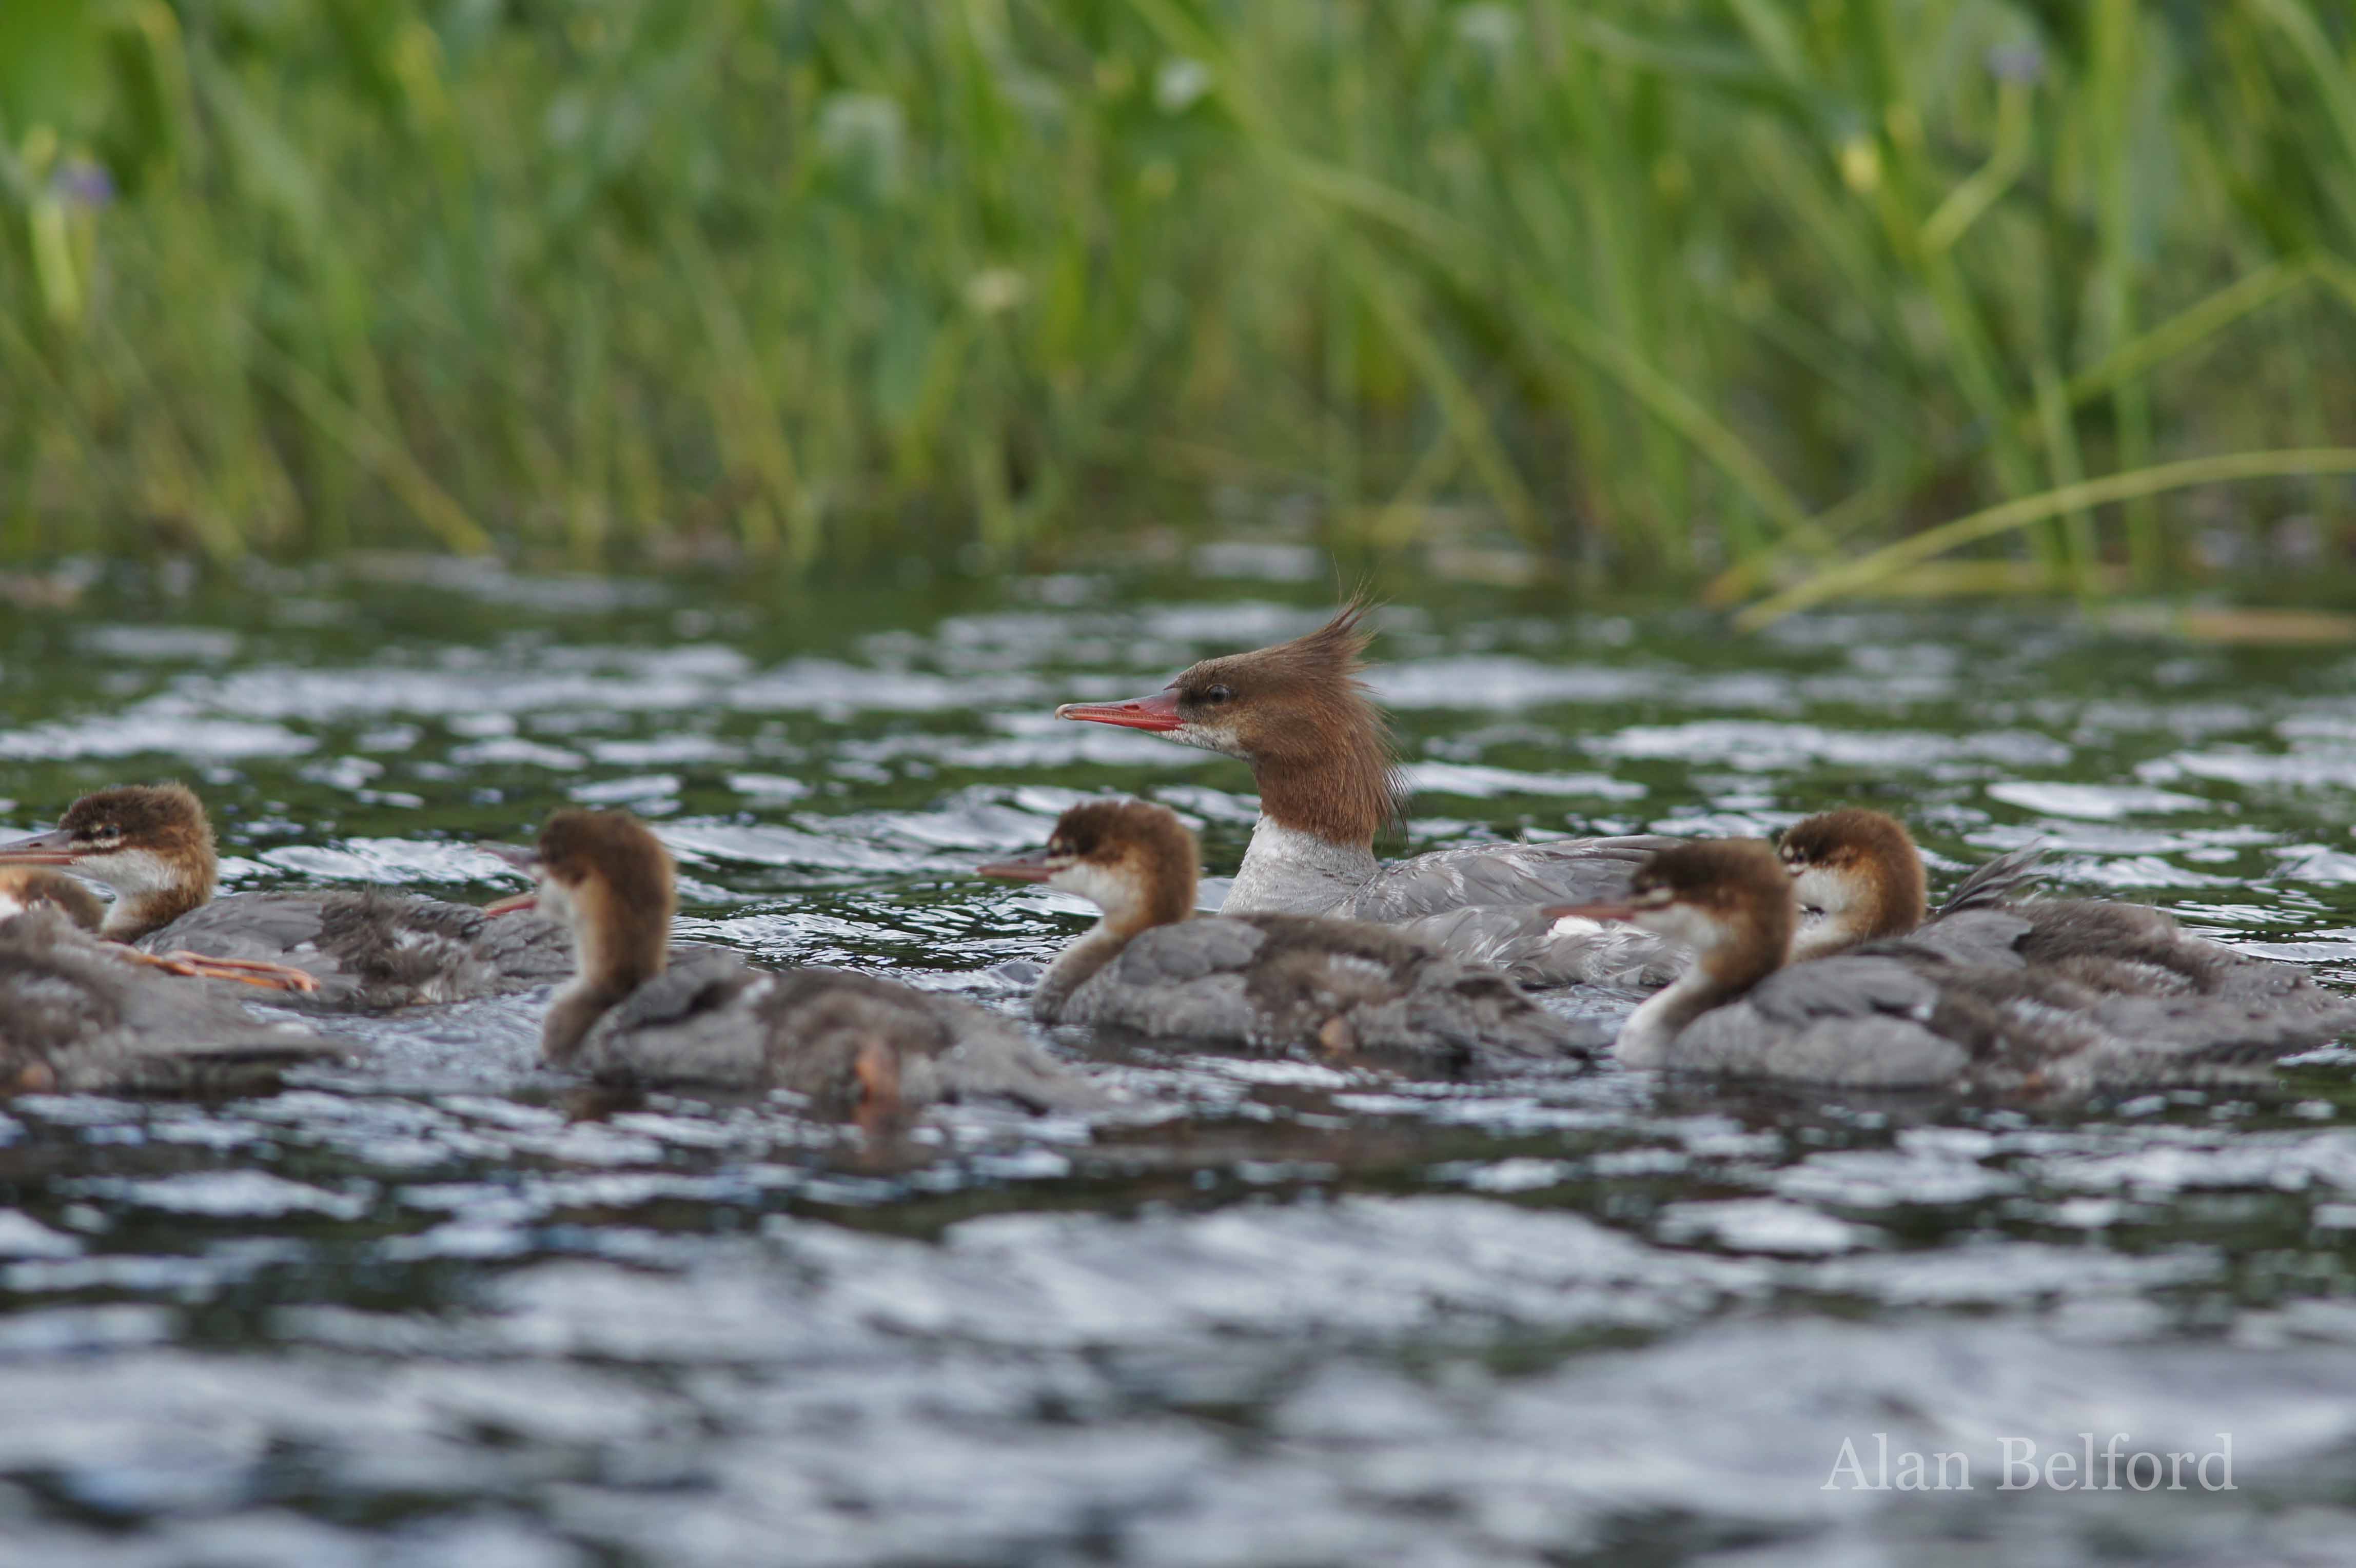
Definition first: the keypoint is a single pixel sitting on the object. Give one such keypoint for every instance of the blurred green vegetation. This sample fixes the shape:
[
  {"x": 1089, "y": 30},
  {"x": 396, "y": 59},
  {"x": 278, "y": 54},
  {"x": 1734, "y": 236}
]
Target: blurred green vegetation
[{"x": 1735, "y": 290}]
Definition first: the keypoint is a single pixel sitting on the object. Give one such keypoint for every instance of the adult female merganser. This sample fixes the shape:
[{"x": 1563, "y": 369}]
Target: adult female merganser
[
  {"x": 1859, "y": 876},
  {"x": 77, "y": 1014},
  {"x": 337, "y": 951},
  {"x": 856, "y": 1046},
  {"x": 1322, "y": 753},
  {"x": 1959, "y": 1006},
  {"x": 1263, "y": 981}
]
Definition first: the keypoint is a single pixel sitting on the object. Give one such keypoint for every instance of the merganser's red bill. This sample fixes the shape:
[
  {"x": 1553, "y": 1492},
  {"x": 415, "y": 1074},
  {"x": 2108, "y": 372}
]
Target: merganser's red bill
[
  {"x": 1158, "y": 712},
  {"x": 1590, "y": 911},
  {"x": 1032, "y": 867},
  {"x": 52, "y": 848},
  {"x": 524, "y": 860}
]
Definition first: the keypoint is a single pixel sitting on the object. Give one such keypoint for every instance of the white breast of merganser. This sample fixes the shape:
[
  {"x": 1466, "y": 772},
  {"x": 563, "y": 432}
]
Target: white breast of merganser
[
  {"x": 1265, "y": 981},
  {"x": 1984, "y": 999},
  {"x": 154, "y": 846},
  {"x": 1322, "y": 753},
  {"x": 854, "y": 1046}
]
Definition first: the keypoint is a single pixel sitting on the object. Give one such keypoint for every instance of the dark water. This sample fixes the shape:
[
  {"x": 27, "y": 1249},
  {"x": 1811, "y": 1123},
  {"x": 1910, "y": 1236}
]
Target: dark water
[{"x": 442, "y": 1309}]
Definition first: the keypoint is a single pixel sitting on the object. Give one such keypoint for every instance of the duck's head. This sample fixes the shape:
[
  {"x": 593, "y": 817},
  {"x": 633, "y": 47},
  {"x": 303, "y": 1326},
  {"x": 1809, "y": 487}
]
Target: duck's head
[
  {"x": 1132, "y": 859},
  {"x": 1730, "y": 900},
  {"x": 1857, "y": 875},
  {"x": 152, "y": 843},
  {"x": 609, "y": 881},
  {"x": 1298, "y": 712}
]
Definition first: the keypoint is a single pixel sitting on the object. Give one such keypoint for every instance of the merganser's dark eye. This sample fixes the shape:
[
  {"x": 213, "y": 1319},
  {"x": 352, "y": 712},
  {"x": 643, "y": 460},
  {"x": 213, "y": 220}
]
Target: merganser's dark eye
[{"x": 1216, "y": 693}]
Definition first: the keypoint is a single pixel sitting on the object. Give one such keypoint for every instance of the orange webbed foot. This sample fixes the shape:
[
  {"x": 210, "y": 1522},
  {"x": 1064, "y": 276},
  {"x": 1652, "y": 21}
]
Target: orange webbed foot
[{"x": 245, "y": 972}]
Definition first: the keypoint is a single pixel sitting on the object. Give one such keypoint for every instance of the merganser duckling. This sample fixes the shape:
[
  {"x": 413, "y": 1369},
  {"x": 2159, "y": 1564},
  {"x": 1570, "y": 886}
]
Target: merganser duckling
[
  {"x": 1968, "y": 1011},
  {"x": 1321, "y": 751},
  {"x": 1265, "y": 982},
  {"x": 858, "y": 1047},
  {"x": 335, "y": 951},
  {"x": 1859, "y": 877},
  {"x": 80, "y": 1015}
]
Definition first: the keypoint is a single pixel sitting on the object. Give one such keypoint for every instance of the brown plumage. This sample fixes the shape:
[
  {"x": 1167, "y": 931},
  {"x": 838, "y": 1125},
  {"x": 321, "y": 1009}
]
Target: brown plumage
[
  {"x": 1143, "y": 842},
  {"x": 165, "y": 820},
  {"x": 625, "y": 878},
  {"x": 1320, "y": 748},
  {"x": 1738, "y": 885},
  {"x": 1859, "y": 872}
]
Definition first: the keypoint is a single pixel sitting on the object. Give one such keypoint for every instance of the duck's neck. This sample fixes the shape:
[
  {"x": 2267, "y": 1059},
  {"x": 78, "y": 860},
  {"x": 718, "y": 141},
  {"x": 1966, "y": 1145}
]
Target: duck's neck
[
  {"x": 1081, "y": 962},
  {"x": 605, "y": 973},
  {"x": 1645, "y": 1037},
  {"x": 1325, "y": 790},
  {"x": 570, "y": 1015},
  {"x": 150, "y": 893},
  {"x": 1721, "y": 971},
  {"x": 1075, "y": 967}
]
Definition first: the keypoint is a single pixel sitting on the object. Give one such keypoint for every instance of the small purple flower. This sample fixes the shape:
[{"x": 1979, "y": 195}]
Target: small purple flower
[
  {"x": 2021, "y": 63},
  {"x": 80, "y": 181}
]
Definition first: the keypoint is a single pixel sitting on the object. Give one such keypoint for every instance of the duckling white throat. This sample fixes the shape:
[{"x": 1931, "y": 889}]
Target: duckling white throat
[
  {"x": 1644, "y": 1038},
  {"x": 149, "y": 890},
  {"x": 1835, "y": 912}
]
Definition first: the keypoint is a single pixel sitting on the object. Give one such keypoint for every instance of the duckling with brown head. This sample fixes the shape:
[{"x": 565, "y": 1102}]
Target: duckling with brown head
[
  {"x": 1263, "y": 981},
  {"x": 1977, "y": 1000},
  {"x": 857, "y": 1047},
  {"x": 332, "y": 951}
]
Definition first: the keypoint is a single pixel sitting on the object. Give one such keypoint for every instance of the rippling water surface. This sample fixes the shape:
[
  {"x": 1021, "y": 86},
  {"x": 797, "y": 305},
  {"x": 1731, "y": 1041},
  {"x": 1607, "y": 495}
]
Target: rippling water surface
[{"x": 443, "y": 1308}]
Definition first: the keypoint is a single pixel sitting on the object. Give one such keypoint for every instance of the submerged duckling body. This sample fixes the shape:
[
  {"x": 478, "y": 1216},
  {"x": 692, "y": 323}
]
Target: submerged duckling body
[
  {"x": 854, "y": 1045},
  {"x": 1963, "y": 1004},
  {"x": 81, "y": 1015},
  {"x": 1320, "y": 752},
  {"x": 1263, "y": 982},
  {"x": 368, "y": 950}
]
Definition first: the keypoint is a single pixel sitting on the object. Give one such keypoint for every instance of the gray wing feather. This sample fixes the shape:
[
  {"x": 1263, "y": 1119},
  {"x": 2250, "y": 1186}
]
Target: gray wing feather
[
  {"x": 1573, "y": 872},
  {"x": 1540, "y": 953},
  {"x": 1858, "y": 1050},
  {"x": 711, "y": 1020},
  {"x": 995, "y": 1058},
  {"x": 1277, "y": 981},
  {"x": 374, "y": 950},
  {"x": 1994, "y": 882},
  {"x": 94, "y": 1021}
]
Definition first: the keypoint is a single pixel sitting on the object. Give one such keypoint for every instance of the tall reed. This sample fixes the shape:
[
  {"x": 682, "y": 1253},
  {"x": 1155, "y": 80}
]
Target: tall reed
[{"x": 1684, "y": 286}]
